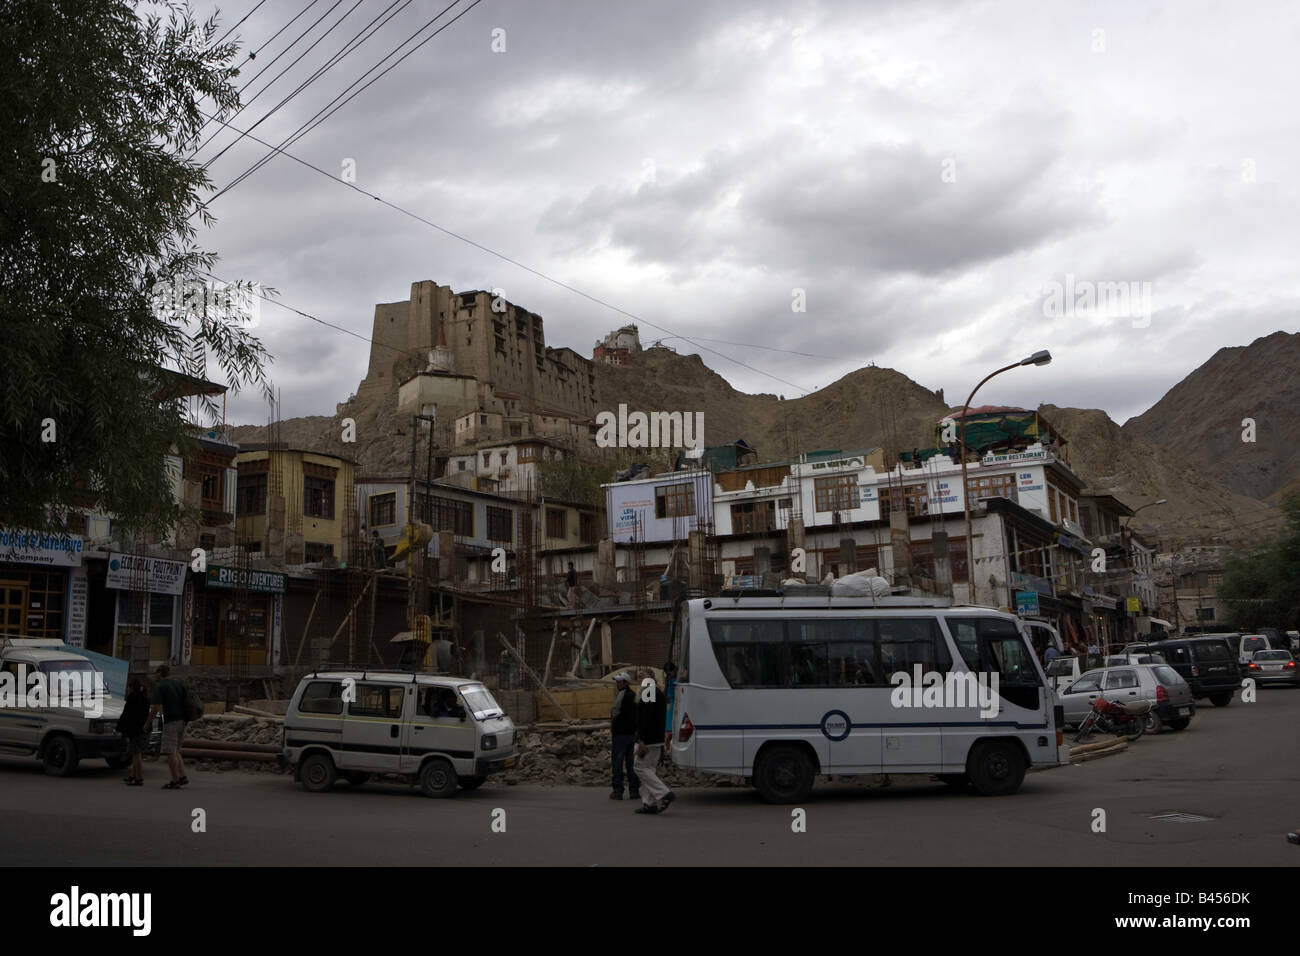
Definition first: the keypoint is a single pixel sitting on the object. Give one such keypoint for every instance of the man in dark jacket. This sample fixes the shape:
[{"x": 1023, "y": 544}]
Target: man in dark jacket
[
  {"x": 622, "y": 725},
  {"x": 169, "y": 700},
  {"x": 650, "y": 716},
  {"x": 134, "y": 714}
]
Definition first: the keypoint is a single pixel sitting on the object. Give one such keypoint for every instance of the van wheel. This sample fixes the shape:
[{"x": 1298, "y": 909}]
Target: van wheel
[
  {"x": 60, "y": 756},
  {"x": 356, "y": 777},
  {"x": 783, "y": 775},
  {"x": 995, "y": 768},
  {"x": 317, "y": 774},
  {"x": 472, "y": 783},
  {"x": 438, "y": 778},
  {"x": 1221, "y": 700}
]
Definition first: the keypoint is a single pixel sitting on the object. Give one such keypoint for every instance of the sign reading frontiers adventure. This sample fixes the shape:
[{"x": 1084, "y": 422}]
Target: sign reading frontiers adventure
[
  {"x": 267, "y": 582},
  {"x": 32, "y": 547},
  {"x": 128, "y": 572}
]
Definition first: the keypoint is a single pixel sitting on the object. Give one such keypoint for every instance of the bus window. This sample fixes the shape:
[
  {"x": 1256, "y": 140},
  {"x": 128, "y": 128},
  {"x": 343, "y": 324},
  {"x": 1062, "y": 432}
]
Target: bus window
[
  {"x": 750, "y": 653},
  {"x": 907, "y": 642},
  {"x": 966, "y": 637}
]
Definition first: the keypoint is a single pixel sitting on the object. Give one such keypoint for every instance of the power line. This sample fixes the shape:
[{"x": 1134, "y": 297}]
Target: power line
[
  {"x": 253, "y": 79},
  {"x": 317, "y": 119},
  {"x": 514, "y": 262},
  {"x": 241, "y": 20},
  {"x": 298, "y": 59}
]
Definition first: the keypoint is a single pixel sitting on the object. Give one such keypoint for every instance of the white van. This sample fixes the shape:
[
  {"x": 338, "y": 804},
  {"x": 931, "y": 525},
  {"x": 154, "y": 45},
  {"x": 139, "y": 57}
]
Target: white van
[
  {"x": 1250, "y": 643},
  {"x": 75, "y": 718},
  {"x": 436, "y": 731}
]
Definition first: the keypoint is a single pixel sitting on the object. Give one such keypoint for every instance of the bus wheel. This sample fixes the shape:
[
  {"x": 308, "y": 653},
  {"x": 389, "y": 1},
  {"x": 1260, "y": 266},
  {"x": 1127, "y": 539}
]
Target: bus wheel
[
  {"x": 996, "y": 768},
  {"x": 784, "y": 774}
]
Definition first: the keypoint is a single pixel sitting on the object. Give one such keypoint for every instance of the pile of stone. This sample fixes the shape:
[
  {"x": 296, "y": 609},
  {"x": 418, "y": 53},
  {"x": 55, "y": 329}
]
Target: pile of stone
[
  {"x": 580, "y": 757},
  {"x": 234, "y": 729}
]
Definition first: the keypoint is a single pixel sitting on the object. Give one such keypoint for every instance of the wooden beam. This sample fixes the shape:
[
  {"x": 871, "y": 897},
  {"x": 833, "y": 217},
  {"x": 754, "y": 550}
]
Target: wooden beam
[
  {"x": 531, "y": 673},
  {"x": 546, "y": 672},
  {"x": 573, "y": 671},
  {"x": 307, "y": 627}
]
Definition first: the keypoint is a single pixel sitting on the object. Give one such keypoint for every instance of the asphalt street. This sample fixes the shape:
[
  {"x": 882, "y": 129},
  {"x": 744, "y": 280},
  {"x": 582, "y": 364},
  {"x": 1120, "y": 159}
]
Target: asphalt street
[{"x": 1234, "y": 776}]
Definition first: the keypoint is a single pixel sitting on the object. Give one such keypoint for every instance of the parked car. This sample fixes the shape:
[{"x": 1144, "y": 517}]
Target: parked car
[
  {"x": 60, "y": 733},
  {"x": 1122, "y": 660},
  {"x": 433, "y": 731},
  {"x": 1207, "y": 663},
  {"x": 1274, "y": 667},
  {"x": 1171, "y": 698}
]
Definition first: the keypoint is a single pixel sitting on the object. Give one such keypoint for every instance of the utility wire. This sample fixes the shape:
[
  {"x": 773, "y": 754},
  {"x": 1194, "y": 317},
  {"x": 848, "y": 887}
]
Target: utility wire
[
  {"x": 514, "y": 262},
  {"x": 318, "y": 118}
]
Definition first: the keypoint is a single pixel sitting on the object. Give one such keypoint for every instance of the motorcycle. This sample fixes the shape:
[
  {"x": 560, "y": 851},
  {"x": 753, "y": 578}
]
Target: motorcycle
[{"x": 1113, "y": 717}]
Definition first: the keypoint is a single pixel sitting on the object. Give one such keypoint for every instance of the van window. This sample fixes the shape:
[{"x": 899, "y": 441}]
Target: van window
[
  {"x": 1250, "y": 645},
  {"x": 377, "y": 700},
  {"x": 322, "y": 697},
  {"x": 1177, "y": 654}
]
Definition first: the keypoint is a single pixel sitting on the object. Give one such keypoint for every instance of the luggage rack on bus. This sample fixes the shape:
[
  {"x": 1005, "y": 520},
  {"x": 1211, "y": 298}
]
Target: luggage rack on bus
[{"x": 815, "y": 595}]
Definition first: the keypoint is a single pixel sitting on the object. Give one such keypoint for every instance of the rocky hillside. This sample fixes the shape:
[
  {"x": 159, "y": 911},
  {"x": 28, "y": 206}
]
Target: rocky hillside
[
  {"x": 867, "y": 408},
  {"x": 1200, "y": 417}
]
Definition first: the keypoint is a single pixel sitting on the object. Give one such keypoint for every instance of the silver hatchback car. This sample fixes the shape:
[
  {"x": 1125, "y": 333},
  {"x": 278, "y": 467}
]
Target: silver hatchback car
[{"x": 1171, "y": 699}]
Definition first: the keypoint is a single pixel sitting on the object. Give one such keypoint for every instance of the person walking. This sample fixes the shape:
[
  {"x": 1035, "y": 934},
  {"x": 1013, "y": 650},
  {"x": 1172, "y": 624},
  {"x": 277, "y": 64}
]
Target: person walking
[
  {"x": 622, "y": 727},
  {"x": 571, "y": 583},
  {"x": 169, "y": 700},
  {"x": 134, "y": 714},
  {"x": 649, "y": 746}
]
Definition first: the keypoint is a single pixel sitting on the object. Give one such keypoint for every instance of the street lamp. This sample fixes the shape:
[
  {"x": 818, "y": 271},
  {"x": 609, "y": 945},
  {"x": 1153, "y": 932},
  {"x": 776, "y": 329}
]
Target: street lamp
[
  {"x": 1041, "y": 357},
  {"x": 1149, "y": 504}
]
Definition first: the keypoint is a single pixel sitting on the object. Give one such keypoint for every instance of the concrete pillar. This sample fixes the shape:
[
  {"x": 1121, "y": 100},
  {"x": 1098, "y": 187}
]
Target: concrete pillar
[
  {"x": 901, "y": 546},
  {"x": 274, "y": 545},
  {"x": 794, "y": 538},
  {"x": 606, "y": 577},
  {"x": 942, "y": 562},
  {"x": 848, "y": 556}
]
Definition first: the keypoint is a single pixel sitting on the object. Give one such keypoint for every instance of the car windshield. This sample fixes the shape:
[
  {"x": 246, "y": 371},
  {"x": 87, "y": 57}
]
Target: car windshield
[
  {"x": 75, "y": 678},
  {"x": 480, "y": 702},
  {"x": 1273, "y": 656}
]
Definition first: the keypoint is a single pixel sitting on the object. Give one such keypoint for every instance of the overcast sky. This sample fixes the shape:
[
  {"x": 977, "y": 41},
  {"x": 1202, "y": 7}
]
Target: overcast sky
[{"x": 924, "y": 172}]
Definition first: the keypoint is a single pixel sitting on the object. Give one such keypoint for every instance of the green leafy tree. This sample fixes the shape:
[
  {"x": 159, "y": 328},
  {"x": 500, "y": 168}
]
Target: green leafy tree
[
  {"x": 1262, "y": 588},
  {"x": 103, "y": 285}
]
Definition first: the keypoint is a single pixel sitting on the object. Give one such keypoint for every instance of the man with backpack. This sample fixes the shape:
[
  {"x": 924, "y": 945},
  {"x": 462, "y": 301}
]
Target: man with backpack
[{"x": 169, "y": 697}]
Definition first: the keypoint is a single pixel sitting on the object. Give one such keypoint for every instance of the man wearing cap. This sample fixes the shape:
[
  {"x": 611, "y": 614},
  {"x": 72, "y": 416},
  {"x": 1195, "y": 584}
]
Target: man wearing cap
[
  {"x": 649, "y": 745},
  {"x": 622, "y": 726}
]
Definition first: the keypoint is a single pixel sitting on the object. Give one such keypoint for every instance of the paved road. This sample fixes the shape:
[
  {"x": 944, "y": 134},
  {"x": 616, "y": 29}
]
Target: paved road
[{"x": 1238, "y": 766}]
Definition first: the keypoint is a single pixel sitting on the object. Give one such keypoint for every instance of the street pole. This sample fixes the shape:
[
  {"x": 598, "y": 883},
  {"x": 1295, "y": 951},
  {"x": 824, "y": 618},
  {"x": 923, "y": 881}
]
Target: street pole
[{"x": 1038, "y": 358}]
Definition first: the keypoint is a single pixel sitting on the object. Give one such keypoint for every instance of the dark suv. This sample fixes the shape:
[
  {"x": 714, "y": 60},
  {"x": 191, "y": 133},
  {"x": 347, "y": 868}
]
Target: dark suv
[{"x": 1207, "y": 663}]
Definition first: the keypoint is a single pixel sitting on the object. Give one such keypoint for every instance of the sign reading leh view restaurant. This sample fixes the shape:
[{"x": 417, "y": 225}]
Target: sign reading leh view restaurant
[
  {"x": 265, "y": 582},
  {"x": 129, "y": 572}
]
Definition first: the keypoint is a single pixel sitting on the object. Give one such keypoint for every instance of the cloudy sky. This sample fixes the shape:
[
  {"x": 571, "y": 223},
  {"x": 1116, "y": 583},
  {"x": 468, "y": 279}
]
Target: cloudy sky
[{"x": 951, "y": 186}]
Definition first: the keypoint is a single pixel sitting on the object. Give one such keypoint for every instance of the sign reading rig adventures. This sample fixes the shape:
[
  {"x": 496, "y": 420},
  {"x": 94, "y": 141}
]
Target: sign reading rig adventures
[
  {"x": 267, "y": 582},
  {"x": 127, "y": 572}
]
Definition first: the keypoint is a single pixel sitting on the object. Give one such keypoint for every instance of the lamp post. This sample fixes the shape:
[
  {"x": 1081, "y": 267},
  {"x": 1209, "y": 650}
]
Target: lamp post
[
  {"x": 1038, "y": 358},
  {"x": 1149, "y": 504}
]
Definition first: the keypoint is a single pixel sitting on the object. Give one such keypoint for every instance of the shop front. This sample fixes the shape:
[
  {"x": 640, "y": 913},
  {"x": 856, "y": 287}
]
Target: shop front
[
  {"x": 41, "y": 578},
  {"x": 148, "y": 592},
  {"x": 237, "y": 617}
]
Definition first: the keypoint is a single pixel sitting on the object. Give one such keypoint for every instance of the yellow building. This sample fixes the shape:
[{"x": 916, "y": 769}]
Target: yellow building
[{"x": 317, "y": 491}]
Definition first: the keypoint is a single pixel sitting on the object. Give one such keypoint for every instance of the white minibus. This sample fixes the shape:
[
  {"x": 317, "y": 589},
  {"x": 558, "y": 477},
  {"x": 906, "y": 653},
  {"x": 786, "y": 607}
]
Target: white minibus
[{"x": 779, "y": 690}]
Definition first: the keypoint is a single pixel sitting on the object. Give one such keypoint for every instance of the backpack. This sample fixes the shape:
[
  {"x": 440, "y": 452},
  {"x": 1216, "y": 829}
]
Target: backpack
[{"x": 191, "y": 705}]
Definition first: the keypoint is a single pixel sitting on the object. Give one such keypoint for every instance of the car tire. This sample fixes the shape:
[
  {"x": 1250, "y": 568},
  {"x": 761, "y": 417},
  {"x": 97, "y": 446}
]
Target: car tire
[
  {"x": 356, "y": 777},
  {"x": 59, "y": 756},
  {"x": 438, "y": 778},
  {"x": 996, "y": 768},
  {"x": 472, "y": 783},
  {"x": 1180, "y": 724},
  {"x": 784, "y": 774},
  {"x": 317, "y": 773},
  {"x": 1154, "y": 722},
  {"x": 1221, "y": 700}
]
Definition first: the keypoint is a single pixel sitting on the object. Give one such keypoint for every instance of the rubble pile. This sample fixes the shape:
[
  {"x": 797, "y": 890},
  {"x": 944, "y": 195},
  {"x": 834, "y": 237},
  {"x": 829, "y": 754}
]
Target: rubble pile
[
  {"x": 581, "y": 757},
  {"x": 232, "y": 728}
]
